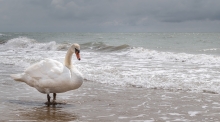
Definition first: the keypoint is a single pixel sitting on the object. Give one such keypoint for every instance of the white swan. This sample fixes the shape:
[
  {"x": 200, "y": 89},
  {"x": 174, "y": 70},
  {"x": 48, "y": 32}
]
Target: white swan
[{"x": 50, "y": 76}]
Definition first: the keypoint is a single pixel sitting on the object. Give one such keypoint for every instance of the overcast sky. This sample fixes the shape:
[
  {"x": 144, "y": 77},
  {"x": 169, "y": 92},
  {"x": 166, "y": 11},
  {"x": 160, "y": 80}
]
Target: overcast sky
[{"x": 109, "y": 15}]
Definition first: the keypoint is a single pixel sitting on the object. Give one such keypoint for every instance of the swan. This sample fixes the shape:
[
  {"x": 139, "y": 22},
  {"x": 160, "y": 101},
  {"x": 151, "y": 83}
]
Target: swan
[{"x": 50, "y": 76}]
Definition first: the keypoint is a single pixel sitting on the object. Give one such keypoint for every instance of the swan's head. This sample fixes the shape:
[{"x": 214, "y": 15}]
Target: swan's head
[{"x": 76, "y": 49}]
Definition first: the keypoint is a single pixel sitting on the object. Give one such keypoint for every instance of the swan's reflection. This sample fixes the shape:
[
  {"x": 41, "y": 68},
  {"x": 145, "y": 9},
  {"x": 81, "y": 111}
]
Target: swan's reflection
[
  {"x": 60, "y": 112},
  {"x": 49, "y": 113}
]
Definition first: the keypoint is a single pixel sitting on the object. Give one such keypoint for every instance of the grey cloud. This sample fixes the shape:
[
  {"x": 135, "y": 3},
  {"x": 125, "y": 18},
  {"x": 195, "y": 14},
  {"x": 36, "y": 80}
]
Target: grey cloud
[
  {"x": 107, "y": 15},
  {"x": 191, "y": 10}
]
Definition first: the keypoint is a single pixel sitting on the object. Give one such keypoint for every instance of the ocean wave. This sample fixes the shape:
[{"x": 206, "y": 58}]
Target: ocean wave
[
  {"x": 144, "y": 68},
  {"x": 3, "y": 38},
  {"x": 27, "y": 43},
  {"x": 101, "y": 46},
  {"x": 1, "y": 34},
  {"x": 124, "y": 65},
  {"x": 30, "y": 44},
  {"x": 21, "y": 42},
  {"x": 211, "y": 49},
  {"x": 139, "y": 52},
  {"x": 4, "y": 35}
]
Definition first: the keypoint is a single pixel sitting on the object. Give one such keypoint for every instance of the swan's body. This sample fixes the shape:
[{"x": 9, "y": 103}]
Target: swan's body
[{"x": 50, "y": 76}]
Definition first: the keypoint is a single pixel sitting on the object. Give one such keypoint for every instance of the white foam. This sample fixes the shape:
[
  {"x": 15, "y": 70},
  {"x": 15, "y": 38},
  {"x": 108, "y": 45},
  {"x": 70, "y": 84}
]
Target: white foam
[
  {"x": 137, "y": 67},
  {"x": 29, "y": 44},
  {"x": 211, "y": 49},
  {"x": 2, "y": 34},
  {"x": 194, "y": 113},
  {"x": 152, "y": 69},
  {"x": 23, "y": 51},
  {"x": 174, "y": 57},
  {"x": 20, "y": 42}
]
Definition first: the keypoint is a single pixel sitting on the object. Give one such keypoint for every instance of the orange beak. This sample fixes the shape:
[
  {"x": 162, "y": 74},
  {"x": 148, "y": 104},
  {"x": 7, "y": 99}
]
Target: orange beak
[{"x": 77, "y": 55}]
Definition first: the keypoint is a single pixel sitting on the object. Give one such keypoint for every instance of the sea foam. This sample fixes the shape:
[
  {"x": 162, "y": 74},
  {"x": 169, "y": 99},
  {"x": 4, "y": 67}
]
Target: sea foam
[
  {"x": 123, "y": 65},
  {"x": 139, "y": 67},
  {"x": 27, "y": 43}
]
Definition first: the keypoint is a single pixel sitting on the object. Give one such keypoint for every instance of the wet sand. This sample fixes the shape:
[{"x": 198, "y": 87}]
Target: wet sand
[
  {"x": 100, "y": 102},
  {"x": 95, "y": 102}
]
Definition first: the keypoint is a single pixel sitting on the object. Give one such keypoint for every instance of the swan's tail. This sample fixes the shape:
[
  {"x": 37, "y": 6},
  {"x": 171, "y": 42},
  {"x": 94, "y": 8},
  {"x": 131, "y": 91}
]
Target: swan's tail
[{"x": 17, "y": 77}]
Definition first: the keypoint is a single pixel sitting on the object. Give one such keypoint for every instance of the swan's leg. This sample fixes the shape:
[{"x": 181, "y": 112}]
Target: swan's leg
[
  {"x": 48, "y": 99},
  {"x": 54, "y": 97}
]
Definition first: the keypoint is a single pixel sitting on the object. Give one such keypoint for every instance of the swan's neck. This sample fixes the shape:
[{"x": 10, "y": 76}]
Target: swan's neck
[{"x": 68, "y": 59}]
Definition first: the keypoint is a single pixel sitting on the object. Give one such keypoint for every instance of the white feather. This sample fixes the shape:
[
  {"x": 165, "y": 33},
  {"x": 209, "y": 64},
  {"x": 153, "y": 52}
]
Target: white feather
[{"x": 51, "y": 76}]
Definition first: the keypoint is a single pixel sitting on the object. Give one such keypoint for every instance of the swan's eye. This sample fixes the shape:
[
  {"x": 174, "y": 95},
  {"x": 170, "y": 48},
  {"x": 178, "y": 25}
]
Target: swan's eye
[{"x": 77, "y": 51}]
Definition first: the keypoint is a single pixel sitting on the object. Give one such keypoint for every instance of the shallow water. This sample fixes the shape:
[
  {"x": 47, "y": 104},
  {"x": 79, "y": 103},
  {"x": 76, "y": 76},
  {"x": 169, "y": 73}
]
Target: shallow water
[{"x": 102, "y": 102}]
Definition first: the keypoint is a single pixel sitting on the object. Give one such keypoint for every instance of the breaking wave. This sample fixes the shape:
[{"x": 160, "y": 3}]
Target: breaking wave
[
  {"x": 100, "y": 46},
  {"x": 27, "y": 43},
  {"x": 123, "y": 65}
]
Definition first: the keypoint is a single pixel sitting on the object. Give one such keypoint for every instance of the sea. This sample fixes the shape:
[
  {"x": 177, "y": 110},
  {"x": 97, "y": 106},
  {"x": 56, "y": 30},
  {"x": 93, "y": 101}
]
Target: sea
[
  {"x": 136, "y": 77},
  {"x": 170, "y": 61}
]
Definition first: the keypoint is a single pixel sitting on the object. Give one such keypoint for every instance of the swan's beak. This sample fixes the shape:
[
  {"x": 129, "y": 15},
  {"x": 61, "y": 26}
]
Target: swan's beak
[{"x": 77, "y": 55}]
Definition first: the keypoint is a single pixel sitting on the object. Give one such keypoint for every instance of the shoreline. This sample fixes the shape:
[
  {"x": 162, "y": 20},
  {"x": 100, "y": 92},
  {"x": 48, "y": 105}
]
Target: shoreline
[{"x": 101, "y": 102}]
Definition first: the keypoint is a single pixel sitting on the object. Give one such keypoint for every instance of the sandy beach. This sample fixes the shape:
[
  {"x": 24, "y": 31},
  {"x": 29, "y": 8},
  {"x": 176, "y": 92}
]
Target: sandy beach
[
  {"x": 95, "y": 102},
  {"x": 110, "y": 61}
]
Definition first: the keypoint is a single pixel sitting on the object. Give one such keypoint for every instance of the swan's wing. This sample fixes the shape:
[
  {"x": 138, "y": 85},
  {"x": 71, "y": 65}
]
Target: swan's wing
[
  {"x": 45, "y": 67},
  {"x": 48, "y": 73}
]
